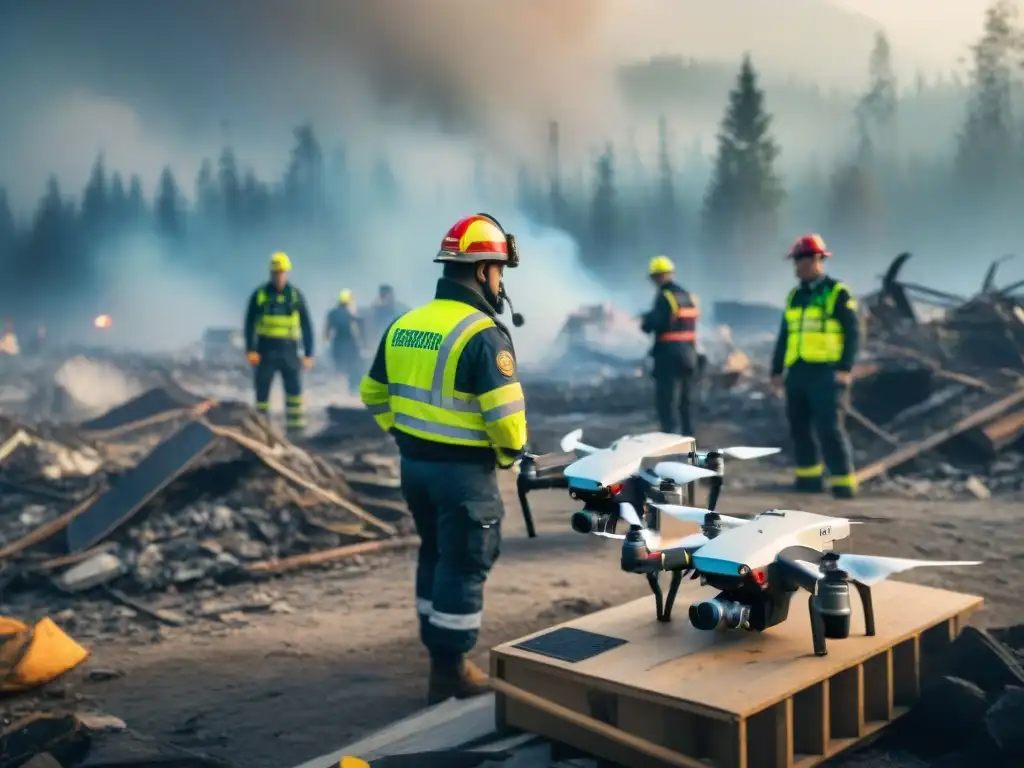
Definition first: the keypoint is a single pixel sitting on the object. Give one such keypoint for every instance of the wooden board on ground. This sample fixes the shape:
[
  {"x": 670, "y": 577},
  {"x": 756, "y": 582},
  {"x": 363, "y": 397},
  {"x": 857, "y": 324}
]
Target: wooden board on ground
[{"x": 675, "y": 696}]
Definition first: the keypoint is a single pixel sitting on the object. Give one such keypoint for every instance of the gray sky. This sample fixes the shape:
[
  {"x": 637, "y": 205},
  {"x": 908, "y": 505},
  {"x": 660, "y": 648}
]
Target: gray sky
[{"x": 167, "y": 82}]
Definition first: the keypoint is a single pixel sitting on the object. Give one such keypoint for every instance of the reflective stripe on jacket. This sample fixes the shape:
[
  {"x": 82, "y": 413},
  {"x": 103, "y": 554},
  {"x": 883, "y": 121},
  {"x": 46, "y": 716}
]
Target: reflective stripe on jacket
[
  {"x": 422, "y": 351},
  {"x": 685, "y": 313},
  {"x": 278, "y": 315},
  {"x": 813, "y": 333}
]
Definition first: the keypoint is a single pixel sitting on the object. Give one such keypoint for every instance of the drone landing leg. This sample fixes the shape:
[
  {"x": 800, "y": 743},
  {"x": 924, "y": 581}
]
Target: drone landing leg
[
  {"x": 869, "y": 608},
  {"x": 817, "y": 629},
  {"x": 659, "y": 600},
  {"x": 670, "y": 598}
]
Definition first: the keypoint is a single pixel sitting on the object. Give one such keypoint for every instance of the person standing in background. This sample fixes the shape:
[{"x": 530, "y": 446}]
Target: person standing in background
[
  {"x": 813, "y": 363},
  {"x": 276, "y": 324},
  {"x": 344, "y": 333}
]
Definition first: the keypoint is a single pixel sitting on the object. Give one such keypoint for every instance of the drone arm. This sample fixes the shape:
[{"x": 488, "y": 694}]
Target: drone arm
[
  {"x": 788, "y": 561},
  {"x": 817, "y": 628},
  {"x": 522, "y": 488},
  {"x": 869, "y": 607},
  {"x": 670, "y": 598}
]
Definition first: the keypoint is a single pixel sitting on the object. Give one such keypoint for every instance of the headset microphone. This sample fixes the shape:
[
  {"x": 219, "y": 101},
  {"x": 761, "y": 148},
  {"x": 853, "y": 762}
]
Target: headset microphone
[{"x": 517, "y": 319}]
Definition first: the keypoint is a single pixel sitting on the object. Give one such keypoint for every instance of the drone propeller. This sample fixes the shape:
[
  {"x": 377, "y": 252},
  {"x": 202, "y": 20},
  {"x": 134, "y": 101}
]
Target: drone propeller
[
  {"x": 681, "y": 473},
  {"x": 740, "y": 452},
  {"x": 698, "y": 515},
  {"x": 870, "y": 570},
  {"x": 626, "y": 512},
  {"x": 571, "y": 442}
]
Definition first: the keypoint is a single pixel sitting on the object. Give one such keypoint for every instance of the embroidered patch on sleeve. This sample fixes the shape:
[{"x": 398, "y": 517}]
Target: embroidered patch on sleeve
[{"x": 506, "y": 363}]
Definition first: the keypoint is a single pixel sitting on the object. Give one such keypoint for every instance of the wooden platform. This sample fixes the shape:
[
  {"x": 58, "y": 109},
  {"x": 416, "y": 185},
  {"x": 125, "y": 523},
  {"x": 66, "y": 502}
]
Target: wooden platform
[{"x": 674, "y": 696}]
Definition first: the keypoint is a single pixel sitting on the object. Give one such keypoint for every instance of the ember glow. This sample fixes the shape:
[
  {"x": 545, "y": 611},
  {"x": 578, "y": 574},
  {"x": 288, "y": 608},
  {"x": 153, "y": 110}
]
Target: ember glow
[{"x": 102, "y": 321}]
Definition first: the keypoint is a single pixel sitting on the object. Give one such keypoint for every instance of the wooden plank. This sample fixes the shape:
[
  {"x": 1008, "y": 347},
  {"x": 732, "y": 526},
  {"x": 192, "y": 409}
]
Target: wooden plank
[
  {"x": 1000, "y": 433},
  {"x": 738, "y": 674},
  {"x": 628, "y": 749},
  {"x": 444, "y": 726},
  {"x": 811, "y": 734},
  {"x": 936, "y": 439},
  {"x": 906, "y": 671}
]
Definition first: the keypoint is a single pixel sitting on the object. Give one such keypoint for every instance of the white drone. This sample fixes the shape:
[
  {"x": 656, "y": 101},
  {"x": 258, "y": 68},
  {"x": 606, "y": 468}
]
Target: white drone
[{"x": 760, "y": 563}]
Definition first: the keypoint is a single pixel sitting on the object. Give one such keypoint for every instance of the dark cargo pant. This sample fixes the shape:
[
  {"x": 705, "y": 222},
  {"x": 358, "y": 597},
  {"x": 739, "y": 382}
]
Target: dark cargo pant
[
  {"x": 291, "y": 376},
  {"x": 673, "y": 401},
  {"x": 349, "y": 363},
  {"x": 814, "y": 407},
  {"x": 458, "y": 510}
]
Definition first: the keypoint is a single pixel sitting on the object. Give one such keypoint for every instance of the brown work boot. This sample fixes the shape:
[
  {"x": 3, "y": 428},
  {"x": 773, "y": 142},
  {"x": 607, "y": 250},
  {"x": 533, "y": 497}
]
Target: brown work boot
[{"x": 460, "y": 680}]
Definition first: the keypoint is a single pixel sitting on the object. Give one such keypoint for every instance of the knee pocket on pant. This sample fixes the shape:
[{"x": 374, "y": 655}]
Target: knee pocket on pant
[{"x": 483, "y": 535}]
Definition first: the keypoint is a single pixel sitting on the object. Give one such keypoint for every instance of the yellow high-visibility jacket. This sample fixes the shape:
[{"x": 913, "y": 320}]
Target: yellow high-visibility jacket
[{"x": 445, "y": 382}]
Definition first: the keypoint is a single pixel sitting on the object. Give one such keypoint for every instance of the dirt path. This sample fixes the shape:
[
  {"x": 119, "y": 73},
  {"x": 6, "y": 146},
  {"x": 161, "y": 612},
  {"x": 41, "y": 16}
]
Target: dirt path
[{"x": 288, "y": 686}]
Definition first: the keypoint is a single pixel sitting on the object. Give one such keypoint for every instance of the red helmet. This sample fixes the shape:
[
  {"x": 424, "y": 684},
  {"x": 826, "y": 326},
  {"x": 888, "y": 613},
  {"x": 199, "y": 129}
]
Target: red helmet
[
  {"x": 478, "y": 238},
  {"x": 809, "y": 245}
]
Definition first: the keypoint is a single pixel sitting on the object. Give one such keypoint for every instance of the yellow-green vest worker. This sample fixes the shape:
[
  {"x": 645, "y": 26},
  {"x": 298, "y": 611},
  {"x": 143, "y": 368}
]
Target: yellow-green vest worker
[
  {"x": 816, "y": 350},
  {"x": 445, "y": 384}
]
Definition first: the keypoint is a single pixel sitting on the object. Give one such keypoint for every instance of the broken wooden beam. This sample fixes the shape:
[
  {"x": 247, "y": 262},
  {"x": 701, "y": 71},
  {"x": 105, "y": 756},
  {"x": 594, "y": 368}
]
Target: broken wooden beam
[
  {"x": 936, "y": 439},
  {"x": 1000, "y": 433},
  {"x": 331, "y": 555}
]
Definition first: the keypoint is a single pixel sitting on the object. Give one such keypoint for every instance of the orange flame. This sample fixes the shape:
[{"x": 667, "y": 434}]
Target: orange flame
[{"x": 102, "y": 322}]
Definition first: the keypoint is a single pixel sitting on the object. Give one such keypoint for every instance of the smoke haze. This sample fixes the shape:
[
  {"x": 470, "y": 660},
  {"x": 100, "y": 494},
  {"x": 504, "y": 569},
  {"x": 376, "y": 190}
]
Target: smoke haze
[{"x": 435, "y": 85}]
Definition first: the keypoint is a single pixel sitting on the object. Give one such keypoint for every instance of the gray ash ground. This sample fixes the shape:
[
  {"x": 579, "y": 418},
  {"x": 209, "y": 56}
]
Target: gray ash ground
[{"x": 270, "y": 672}]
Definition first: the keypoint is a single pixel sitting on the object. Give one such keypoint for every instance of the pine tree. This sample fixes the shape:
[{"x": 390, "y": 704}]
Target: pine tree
[
  {"x": 876, "y": 110},
  {"x": 207, "y": 195},
  {"x": 50, "y": 247},
  {"x": 986, "y": 145},
  {"x": 384, "y": 183},
  {"x": 667, "y": 225},
  {"x": 558, "y": 208},
  {"x": 255, "y": 200},
  {"x": 229, "y": 180},
  {"x": 8, "y": 229},
  {"x": 304, "y": 179},
  {"x": 604, "y": 210},
  {"x": 95, "y": 200},
  {"x": 170, "y": 216},
  {"x": 118, "y": 199},
  {"x": 136, "y": 201},
  {"x": 741, "y": 207}
]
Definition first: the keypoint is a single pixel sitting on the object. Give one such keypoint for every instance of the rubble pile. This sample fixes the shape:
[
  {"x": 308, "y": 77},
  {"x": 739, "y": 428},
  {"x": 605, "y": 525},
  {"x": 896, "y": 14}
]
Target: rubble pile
[
  {"x": 170, "y": 492},
  {"x": 936, "y": 406},
  {"x": 969, "y": 716}
]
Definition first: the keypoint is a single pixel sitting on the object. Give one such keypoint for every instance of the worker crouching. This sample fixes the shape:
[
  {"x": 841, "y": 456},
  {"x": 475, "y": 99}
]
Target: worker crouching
[
  {"x": 444, "y": 383},
  {"x": 816, "y": 348},
  {"x": 279, "y": 339}
]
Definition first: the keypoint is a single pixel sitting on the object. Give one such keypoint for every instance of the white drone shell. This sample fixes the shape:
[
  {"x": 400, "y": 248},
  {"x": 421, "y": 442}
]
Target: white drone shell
[
  {"x": 623, "y": 459},
  {"x": 757, "y": 543}
]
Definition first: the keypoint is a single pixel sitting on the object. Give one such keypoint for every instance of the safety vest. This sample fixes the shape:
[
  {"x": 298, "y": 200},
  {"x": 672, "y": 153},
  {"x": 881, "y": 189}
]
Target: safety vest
[
  {"x": 279, "y": 315},
  {"x": 422, "y": 352},
  {"x": 684, "y": 317},
  {"x": 812, "y": 332}
]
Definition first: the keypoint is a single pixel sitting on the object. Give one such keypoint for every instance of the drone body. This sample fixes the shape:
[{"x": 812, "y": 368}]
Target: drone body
[
  {"x": 758, "y": 564},
  {"x": 755, "y": 544},
  {"x": 761, "y": 563},
  {"x": 624, "y": 458}
]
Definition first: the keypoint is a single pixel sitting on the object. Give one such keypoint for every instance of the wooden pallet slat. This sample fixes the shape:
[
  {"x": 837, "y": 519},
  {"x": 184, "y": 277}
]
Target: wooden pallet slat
[{"x": 672, "y": 696}]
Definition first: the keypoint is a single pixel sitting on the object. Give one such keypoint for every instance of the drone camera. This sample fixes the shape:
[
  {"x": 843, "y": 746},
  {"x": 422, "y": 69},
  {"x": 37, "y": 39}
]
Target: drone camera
[
  {"x": 585, "y": 521},
  {"x": 714, "y": 614}
]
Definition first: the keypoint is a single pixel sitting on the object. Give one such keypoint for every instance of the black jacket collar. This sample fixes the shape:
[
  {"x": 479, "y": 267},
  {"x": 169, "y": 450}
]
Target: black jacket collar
[{"x": 454, "y": 291}]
